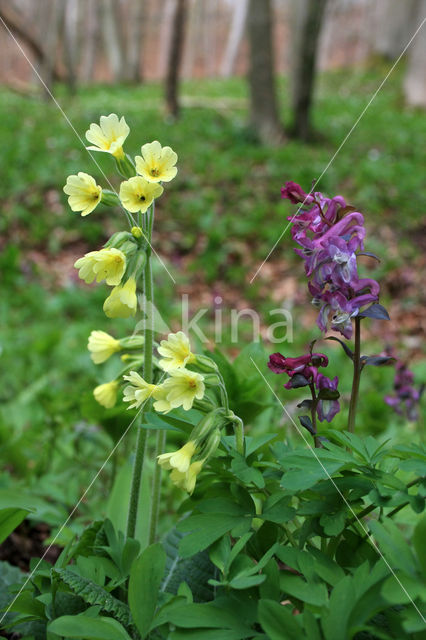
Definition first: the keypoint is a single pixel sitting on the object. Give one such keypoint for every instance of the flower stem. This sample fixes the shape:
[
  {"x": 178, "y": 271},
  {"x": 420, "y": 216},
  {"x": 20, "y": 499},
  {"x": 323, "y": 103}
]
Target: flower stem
[
  {"x": 356, "y": 377},
  {"x": 147, "y": 370},
  {"x": 156, "y": 487}
]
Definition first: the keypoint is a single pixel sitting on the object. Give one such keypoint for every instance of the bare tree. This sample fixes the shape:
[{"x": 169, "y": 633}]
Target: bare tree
[
  {"x": 263, "y": 101},
  {"x": 394, "y": 26},
  {"x": 22, "y": 27},
  {"x": 175, "y": 58},
  {"x": 415, "y": 78},
  {"x": 308, "y": 19},
  {"x": 71, "y": 46},
  {"x": 90, "y": 40},
  {"x": 134, "y": 41},
  {"x": 113, "y": 40},
  {"x": 234, "y": 39}
]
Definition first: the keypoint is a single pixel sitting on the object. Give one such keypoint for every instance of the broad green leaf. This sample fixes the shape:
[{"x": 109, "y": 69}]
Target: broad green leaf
[
  {"x": 278, "y": 621},
  {"x": 401, "y": 589},
  {"x": 311, "y": 626},
  {"x": 87, "y": 628},
  {"x": 14, "y": 508},
  {"x": 117, "y": 508},
  {"x": 334, "y": 523},
  {"x": 276, "y": 509},
  {"x": 144, "y": 585},
  {"x": 335, "y": 622},
  {"x": 393, "y": 545},
  {"x": 204, "y": 529},
  {"x": 296, "y": 587}
]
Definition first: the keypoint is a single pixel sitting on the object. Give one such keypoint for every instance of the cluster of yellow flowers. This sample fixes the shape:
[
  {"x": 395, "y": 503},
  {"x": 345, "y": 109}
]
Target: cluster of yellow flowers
[{"x": 136, "y": 195}]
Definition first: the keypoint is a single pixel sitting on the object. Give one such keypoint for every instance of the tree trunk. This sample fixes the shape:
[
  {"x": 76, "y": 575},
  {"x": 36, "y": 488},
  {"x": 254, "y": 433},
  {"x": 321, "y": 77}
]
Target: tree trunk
[
  {"x": 71, "y": 47},
  {"x": 234, "y": 39},
  {"x": 23, "y": 30},
  {"x": 90, "y": 40},
  {"x": 263, "y": 101},
  {"x": 135, "y": 39},
  {"x": 53, "y": 25},
  {"x": 395, "y": 24},
  {"x": 415, "y": 77},
  {"x": 306, "y": 34},
  {"x": 113, "y": 41},
  {"x": 175, "y": 58}
]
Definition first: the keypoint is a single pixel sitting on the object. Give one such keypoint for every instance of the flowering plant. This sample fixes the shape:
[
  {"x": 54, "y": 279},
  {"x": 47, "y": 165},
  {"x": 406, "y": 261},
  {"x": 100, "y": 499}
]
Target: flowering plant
[{"x": 274, "y": 540}]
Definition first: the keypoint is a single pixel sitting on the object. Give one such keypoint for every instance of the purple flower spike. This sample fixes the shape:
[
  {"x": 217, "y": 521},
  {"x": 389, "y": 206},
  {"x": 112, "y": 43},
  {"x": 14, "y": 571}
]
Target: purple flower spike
[{"x": 407, "y": 398}]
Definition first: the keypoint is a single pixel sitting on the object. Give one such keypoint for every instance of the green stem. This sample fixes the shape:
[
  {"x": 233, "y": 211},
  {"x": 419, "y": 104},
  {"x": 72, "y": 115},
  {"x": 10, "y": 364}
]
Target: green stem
[
  {"x": 156, "y": 487},
  {"x": 147, "y": 370},
  {"x": 356, "y": 376},
  {"x": 236, "y": 421}
]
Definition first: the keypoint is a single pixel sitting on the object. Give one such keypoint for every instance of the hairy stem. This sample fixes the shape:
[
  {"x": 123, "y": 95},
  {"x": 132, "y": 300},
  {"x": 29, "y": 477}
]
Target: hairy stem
[
  {"x": 356, "y": 376},
  {"x": 147, "y": 370},
  {"x": 156, "y": 487}
]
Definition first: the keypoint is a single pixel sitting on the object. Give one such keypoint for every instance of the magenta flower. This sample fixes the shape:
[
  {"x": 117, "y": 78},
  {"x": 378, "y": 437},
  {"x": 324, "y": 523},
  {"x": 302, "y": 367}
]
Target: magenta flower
[
  {"x": 327, "y": 408},
  {"x": 294, "y": 192},
  {"x": 407, "y": 398},
  {"x": 329, "y": 235}
]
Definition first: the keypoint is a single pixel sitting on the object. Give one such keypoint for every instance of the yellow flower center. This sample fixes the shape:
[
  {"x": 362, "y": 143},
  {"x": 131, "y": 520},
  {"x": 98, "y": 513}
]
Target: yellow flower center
[
  {"x": 155, "y": 172},
  {"x": 192, "y": 384}
]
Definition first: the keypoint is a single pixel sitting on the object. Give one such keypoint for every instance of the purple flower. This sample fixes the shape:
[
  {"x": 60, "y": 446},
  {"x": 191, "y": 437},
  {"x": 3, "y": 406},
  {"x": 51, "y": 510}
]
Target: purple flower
[
  {"x": 294, "y": 192},
  {"x": 407, "y": 398},
  {"x": 327, "y": 408}
]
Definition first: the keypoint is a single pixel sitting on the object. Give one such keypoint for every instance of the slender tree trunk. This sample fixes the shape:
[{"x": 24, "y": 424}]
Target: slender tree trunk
[
  {"x": 135, "y": 39},
  {"x": 90, "y": 40},
  {"x": 54, "y": 21},
  {"x": 113, "y": 41},
  {"x": 175, "y": 59},
  {"x": 306, "y": 34},
  {"x": 415, "y": 77},
  {"x": 264, "y": 116},
  {"x": 234, "y": 39},
  {"x": 22, "y": 28},
  {"x": 395, "y": 23},
  {"x": 71, "y": 46}
]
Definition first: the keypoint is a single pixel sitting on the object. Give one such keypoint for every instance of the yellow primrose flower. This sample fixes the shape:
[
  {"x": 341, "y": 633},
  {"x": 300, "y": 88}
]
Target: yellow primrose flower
[
  {"x": 137, "y": 194},
  {"x": 156, "y": 163},
  {"x": 176, "y": 351},
  {"x": 137, "y": 391},
  {"x": 180, "y": 459},
  {"x": 187, "y": 480},
  {"x": 161, "y": 404},
  {"x": 122, "y": 301},
  {"x": 109, "y": 135},
  {"x": 101, "y": 346},
  {"x": 183, "y": 387},
  {"x": 106, "y": 394},
  {"x": 84, "y": 194},
  {"x": 106, "y": 264}
]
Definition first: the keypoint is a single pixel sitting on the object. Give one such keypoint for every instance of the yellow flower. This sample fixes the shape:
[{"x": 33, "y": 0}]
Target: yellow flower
[
  {"x": 137, "y": 194},
  {"x": 183, "y": 387},
  {"x": 156, "y": 163},
  {"x": 84, "y": 194},
  {"x": 187, "y": 480},
  {"x": 137, "y": 391},
  {"x": 122, "y": 301},
  {"x": 180, "y": 459},
  {"x": 176, "y": 351},
  {"x": 101, "y": 346},
  {"x": 106, "y": 264},
  {"x": 161, "y": 404},
  {"x": 109, "y": 136},
  {"x": 106, "y": 394}
]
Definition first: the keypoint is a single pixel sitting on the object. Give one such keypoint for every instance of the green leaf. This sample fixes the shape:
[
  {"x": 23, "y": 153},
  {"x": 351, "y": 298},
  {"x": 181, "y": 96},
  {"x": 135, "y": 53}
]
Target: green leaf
[
  {"x": 419, "y": 537},
  {"x": 144, "y": 585},
  {"x": 14, "y": 508},
  {"x": 204, "y": 530},
  {"x": 276, "y": 509},
  {"x": 278, "y": 622},
  {"x": 87, "y": 628},
  {"x": 334, "y": 523},
  {"x": 94, "y": 594},
  {"x": 245, "y": 473},
  {"x": 393, "y": 545},
  {"x": 335, "y": 622},
  {"x": 296, "y": 587}
]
